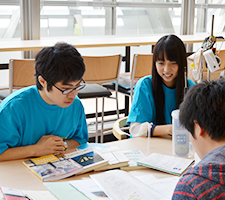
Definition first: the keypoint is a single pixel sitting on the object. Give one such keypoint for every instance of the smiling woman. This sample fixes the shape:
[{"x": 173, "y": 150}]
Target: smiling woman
[
  {"x": 168, "y": 70},
  {"x": 157, "y": 95}
]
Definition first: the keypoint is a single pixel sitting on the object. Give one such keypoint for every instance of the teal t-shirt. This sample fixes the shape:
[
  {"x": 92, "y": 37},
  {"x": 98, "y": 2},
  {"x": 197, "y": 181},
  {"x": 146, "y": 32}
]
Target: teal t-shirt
[
  {"x": 25, "y": 117},
  {"x": 143, "y": 105}
]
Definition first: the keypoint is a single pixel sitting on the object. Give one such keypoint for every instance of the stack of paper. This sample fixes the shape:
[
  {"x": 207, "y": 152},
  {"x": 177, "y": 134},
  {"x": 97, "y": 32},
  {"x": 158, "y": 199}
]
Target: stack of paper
[
  {"x": 115, "y": 157},
  {"x": 114, "y": 185}
]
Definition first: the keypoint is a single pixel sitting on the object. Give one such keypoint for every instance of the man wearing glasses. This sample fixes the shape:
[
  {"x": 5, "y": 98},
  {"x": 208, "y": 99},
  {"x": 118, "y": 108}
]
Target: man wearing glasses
[{"x": 47, "y": 118}]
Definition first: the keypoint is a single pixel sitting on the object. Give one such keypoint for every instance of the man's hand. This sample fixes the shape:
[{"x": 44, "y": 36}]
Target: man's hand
[{"x": 49, "y": 144}]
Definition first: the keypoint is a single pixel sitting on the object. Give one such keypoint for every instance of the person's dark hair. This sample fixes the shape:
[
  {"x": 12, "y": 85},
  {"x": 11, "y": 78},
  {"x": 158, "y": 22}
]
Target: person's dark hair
[
  {"x": 205, "y": 103},
  {"x": 61, "y": 62},
  {"x": 173, "y": 48}
]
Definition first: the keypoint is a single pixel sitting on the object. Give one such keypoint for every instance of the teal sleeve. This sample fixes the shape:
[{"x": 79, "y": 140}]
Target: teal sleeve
[
  {"x": 25, "y": 118},
  {"x": 10, "y": 129},
  {"x": 143, "y": 106}
]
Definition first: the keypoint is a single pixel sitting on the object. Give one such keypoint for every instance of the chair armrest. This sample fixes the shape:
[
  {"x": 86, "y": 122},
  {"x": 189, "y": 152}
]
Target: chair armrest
[{"x": 118, "y": 124}]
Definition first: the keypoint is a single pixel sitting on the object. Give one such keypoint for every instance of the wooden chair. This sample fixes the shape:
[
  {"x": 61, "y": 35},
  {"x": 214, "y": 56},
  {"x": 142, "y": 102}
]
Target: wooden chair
[
  {"x": 142, "y": 66},
  {"x": 21, "y": 73},
  {"x": 100, "y": 69}
]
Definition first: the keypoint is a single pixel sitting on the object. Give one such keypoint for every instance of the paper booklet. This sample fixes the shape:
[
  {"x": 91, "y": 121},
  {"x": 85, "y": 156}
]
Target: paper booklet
[
  {"x": 51, "y": 168},
  {"x": 115, "y": 157},
  {"x": 165, "y": 163},
  {"x": 119, "y": 184},
  {"x": 88, "y": 158},
  {"x": 133, "y": 156}
]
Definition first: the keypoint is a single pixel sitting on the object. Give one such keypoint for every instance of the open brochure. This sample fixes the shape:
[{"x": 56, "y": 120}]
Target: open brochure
[
  {"x": 51, "y": 168},
  {"x": 170, "y": 164},
  {"x": 88, "y": 158},
  {"x": 116, "y": 158},
  {"x": 118, "y": 184}
]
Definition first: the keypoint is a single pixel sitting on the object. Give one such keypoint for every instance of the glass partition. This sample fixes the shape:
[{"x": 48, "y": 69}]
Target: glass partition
[
  {"x": 10, "y": 20},
  {"x": 10, "y": 30},
  {"x": 75, "y": 18},
  {"x": 111, "y": 17}
]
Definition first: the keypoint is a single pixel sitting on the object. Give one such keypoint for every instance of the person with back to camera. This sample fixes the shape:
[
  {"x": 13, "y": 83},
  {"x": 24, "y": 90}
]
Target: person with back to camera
[
  {"x": 157, "y": 95},
  {"x": 36, "y": 120},
  {"x": 202, "y": 113}
]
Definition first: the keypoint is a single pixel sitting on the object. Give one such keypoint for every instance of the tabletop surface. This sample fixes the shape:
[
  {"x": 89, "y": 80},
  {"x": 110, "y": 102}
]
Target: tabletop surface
[
  {"x": 92, "y": 41},
  {"x": 15, "y": 175}
]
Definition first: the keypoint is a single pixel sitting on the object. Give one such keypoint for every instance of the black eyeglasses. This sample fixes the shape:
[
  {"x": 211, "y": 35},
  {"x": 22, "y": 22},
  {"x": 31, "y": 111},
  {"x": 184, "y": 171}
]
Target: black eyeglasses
[{"x": 81, "y": 85}]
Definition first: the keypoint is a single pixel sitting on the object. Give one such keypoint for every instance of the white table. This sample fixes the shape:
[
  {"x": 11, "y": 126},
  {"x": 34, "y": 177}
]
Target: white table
[{"x": 15, "y": 175}]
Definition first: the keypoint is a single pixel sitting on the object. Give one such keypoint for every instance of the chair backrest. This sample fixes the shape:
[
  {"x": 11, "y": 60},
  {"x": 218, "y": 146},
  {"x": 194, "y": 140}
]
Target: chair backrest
[
  {"x": 21, "y": 73},
  {"x": 142, "y": 66},
  {"x": 100, "y": 69}
]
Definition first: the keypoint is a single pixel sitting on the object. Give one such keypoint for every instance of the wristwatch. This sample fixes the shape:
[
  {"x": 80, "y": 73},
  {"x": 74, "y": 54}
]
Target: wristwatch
[{"x": 65, "y": 145}]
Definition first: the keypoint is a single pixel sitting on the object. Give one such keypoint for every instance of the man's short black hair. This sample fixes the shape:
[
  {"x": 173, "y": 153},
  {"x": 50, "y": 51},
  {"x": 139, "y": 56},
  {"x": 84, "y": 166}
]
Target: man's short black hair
[
  {"x": 205, "y": 103},
  {"x": 61, "y": 62}
]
